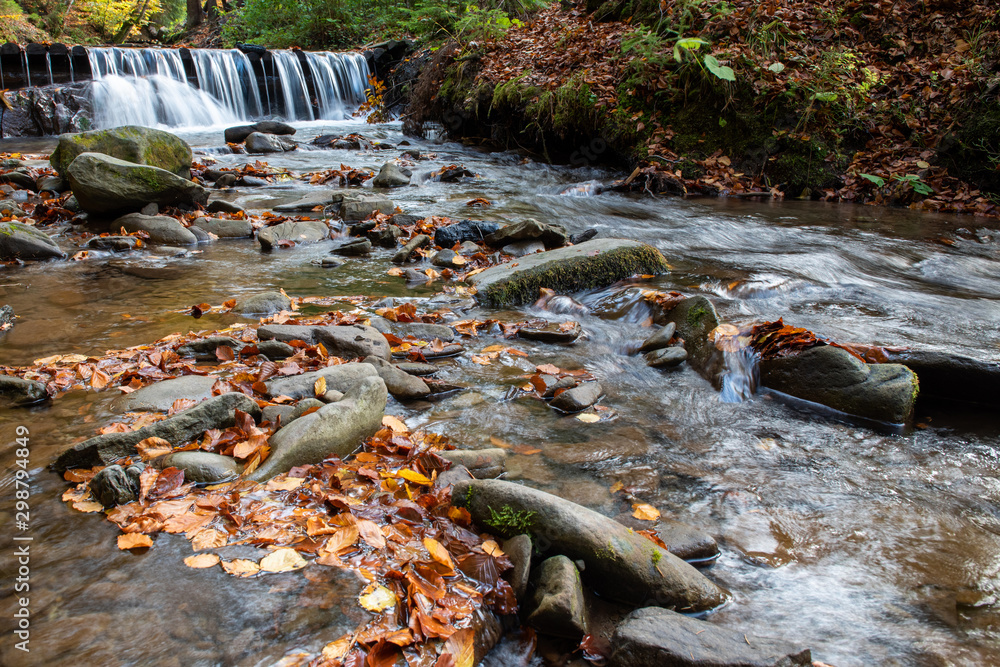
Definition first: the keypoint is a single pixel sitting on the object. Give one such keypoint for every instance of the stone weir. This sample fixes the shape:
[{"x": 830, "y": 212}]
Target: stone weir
[{"x": 198, "y": 87}]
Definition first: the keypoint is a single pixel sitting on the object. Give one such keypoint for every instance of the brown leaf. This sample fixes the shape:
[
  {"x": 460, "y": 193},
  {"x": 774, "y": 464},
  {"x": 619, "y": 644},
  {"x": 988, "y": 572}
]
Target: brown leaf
[
  {"x": 152, "y": 448},
  {"x": 438, "y": 552},
  {"x": 201, "y": 561},
  {"x": 645, "y": 512},
  {"x": 134, "y": 541},
  {"x": 371, "y": 533}
]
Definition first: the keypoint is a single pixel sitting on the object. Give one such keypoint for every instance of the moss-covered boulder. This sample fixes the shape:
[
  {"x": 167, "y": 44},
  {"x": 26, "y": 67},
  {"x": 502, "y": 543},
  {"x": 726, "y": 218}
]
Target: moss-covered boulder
[
  {"x": 694, "y": 320},
  {"x": 833, "y": 377},
  {"x": 139, "y": 145},
  {"x": 20, "y": 241},
  {"x": 589, "y": 265},
  {"x": 106, "y": 185}
]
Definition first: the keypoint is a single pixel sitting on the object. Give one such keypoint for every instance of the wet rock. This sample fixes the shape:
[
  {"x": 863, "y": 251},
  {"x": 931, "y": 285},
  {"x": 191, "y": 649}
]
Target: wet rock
[
  {"x": 18, "y": 391},
  {"x": 522, "y": 248},
  {"x": 401, "y": 385},
  {"x": 417, "y": 368},
  {"x": 952, "y": 376},
  {"x": 651, "y": 637},
  {"x": 239, "y": 133},
  {"x": 20, "y": 241},
  {"x": 159, "y": 396},
  {"x": 131, "y": 143},
  {"x": 10, "y": 207},
  {"x": 557, "y": 605},
  {"x": 7, "y": 317},
  {"x": 336, "y": 429},
  {"x": 260, "y": 142},
  {"x": 116, "y": 485},
  {"x": 391, "y": 175},
  {"x": 275, "y": 349},
  {"x": 103, "y": 184},
  {"x": 355, "y": 207},
  {"x": 445, "y": 259},
  {"x": 340, "y": 378},
  {"x": 55, "y": 184},
  {"x": 273, "y": 413},
  {"x": 203, "y": 349},
  {"x": 682, "y": 540},
  {"x": 264, "y": 303},
  {"x": 162, "y": 229},
  {"x": 453, "y": 476},
  {"x": 216, "y": 412},
  {"x": 203, "y": 467},
  {"x": 466, "y": 230},
  {"x": 424, "y": 331},
  {"x": 487, "y": 463},
  {"x": 223, "y": 206},
  {"x": 552, "y": 333},
  {"x": 619, "y": 564},
  {"x": 226, "y": 228},
  {"x": 226, "y": 180},
  {"x": 403, "y": 255},
  {"x": 387, "y": 237},
  {"x": 518, "y": 550},
  {"x": 667, "y": 357},
  {"x": 19, "y": 177},
  {"x": 307, "y": 203},
  {"x": 578, "y": 398},
  {"x": 252, "y": 181},
  {"x": 304, "y": 406},
  {"x": 590, "y": 265},
  {"x": 833, "y": 377},
  {"x": 305, "y": 231},
  {"x": 454, "y": 174},
  {"x": 405, "y": 219},
  {"x": 201, "y": 235},
  {"x": 583, "y": 237},
  {"x": 660, "y": 339},
  {"x": 331, "y": 396},
  {"x": 552, "y": 236},
  {"x": 353, "y": 248},
  {"x": 331, "y": 262},
  {"x": 150, "y": 209},
  {"x": 468, "y": 248},
  {"x": 695, "y": 318},
  {"x": 347, "y": 342}
]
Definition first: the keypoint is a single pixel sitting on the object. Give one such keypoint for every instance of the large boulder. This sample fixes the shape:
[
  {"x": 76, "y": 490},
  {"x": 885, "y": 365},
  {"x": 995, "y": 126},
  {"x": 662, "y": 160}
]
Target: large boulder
[
  {"x": 348, "y": 342},
  {"x": 355, "y": 207},
  {"x": 652, "y": 637},
  {"x": 336, "y": 429},
  {"x": 20, "y": 241},
  {"x": 833, "y": 377},
  {"x": 952, "y": 376},
  {"x": 159, "y": 396},
  {"x": 684, "y": 541},
  {"x": 306, "y": 231},
  {"x": 694, "y": 319},
  {"x": 391, "y": 175},
  {"x": 162, "y": 229},
  {"x": 400, "y": 384},
  {"x": 217, "y": 412},
  {"x": 590, "y": 265},
  {"x": 258, "y": 142},
  {"x": 466, "y": 230},
  {"x": 263, "y": 303},
  {"x": 107, "y": 185},
  {"x": 226, "y": 228},
  {"x": 139, "y": 145},
  {"x": 239, "y": 133},
  {"x": 338, "y": 378},
  {"x": 619, "y": 564}
]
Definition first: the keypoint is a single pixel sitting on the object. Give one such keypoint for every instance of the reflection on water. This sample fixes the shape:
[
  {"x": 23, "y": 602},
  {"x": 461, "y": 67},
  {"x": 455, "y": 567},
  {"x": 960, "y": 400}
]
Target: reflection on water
[{"x": 870, "y": 548}]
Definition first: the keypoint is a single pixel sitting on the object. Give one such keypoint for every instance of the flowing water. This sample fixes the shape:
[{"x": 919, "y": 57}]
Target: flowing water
[{"x": 869, "y": 548}]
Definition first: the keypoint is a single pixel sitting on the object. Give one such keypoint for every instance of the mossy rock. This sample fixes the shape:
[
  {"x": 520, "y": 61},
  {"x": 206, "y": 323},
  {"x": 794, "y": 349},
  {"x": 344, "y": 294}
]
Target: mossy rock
[
  {"x": 131, "y": 143},
  {"x": 591, "y": 265},
  {"x": 107, "y": 185},
  {"x": 695, "y": 319}
]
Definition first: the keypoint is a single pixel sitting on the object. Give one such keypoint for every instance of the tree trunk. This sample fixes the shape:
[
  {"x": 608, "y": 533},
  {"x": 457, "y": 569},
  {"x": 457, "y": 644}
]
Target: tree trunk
[{"x": 195, "y": 14}]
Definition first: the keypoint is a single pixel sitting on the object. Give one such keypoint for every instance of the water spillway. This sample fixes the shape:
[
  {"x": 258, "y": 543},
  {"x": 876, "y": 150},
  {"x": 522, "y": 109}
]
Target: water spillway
[{"x": 195, "y": 87}]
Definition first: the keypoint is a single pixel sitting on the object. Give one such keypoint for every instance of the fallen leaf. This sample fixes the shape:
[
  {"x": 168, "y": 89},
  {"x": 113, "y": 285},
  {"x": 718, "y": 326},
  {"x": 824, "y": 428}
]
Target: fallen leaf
[
  {"x": 371, "y": 533},
  {"x": 438, "y": 552},
  {"x": 588, "y": 418},
  {"x": 241, "y": 567},
  {"x": 200, "y": 561},
  {"x": 285, "y": 484},
  {"x": 376, "y": 598},
  {"x": 414, "y": 476},
  {"x": 134, "y": 541},
  {"x": 282, "y": 560},
  {"x": 394, "y": 423},
  {"x": 319, "y": 387},
  {"x": 152, "y": 448},
  {"x": 645, "y": 512}
]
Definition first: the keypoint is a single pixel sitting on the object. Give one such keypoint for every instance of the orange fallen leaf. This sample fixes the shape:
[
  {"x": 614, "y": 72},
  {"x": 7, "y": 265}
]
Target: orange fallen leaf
[
  {"x": 134, "y": 541},
  {"x": 241, "y": 567},
  {"x": 152, "y": 448},
  {"x": 201, "y": 561},
  {"x": 394, "y": 423},
  {"x": 414, "y": 476},
  {"x": 645, "y": 512},
  {"x": 438, "y": 552}
]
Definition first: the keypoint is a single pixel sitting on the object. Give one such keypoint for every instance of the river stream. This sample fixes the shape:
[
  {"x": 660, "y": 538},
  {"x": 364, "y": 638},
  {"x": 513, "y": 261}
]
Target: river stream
[{"x": 869, "y": 548}]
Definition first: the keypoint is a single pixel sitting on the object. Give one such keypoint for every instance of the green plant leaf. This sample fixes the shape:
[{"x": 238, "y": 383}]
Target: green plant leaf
[
  {"x": 825, "y": 97},
  {"x": 777, "y": 68},
  {"x": 688, "y": 44},
  {"x": 874, "y": 179},
  {"x": 723, "y": 72}
]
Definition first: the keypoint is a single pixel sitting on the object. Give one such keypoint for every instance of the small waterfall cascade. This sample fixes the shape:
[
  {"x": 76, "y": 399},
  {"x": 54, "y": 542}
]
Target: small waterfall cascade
[
  {"x": 211, "y": 87},
  {"x": 742, "y": 374}
]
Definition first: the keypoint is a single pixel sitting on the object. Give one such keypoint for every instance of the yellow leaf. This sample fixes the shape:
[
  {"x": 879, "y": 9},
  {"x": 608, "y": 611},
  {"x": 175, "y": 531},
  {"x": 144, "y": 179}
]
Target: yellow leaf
[
  {"x": 376, "y": 598},
  {"x": 241, "y": 567},
  {"x": 645, "y": 512},
  {"x": 414, "y": 476},
  {"x": 88, "y": 506},
  {"x": 438, "y": 552},
  {"x": 493, "y": 348},
  {"x": 492, "y": 548},
  {"x": 282, "y": 560},
  {"x": 616, "y": 487},
  {"x": 209, "y": 538},
  {"x": 588, "y": 418},
  {"x": 461, "y": 646},
  {"x": 152, "y": 448},
  {"x": 134, "y": 541},
  {"x": 338, "y": 649},
  {"x": 285, "y": 484},
  {"x": 200, "y": 561},
  {"x": 394, "y": 423},
  {"x": 319, "y": 387},
  {"x": 725, "y": 161}
]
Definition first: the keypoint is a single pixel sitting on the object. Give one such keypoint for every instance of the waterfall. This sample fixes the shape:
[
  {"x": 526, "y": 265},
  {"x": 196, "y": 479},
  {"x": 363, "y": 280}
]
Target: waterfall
[{"x": 210, "y": 87}]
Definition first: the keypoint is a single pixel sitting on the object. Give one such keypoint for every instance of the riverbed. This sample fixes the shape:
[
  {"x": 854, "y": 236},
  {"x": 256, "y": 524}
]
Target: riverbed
[{"x": 870, "y": 548}]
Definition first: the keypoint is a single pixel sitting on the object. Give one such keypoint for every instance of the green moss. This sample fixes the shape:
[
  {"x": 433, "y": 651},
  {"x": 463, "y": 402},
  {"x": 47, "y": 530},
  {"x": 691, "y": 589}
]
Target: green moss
[
  {"x": 695, "y": 315},
  {"x": 656, "y": 556},
  {"x": 607, "y": 553},
  {"x": 510, "y": 521}
]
